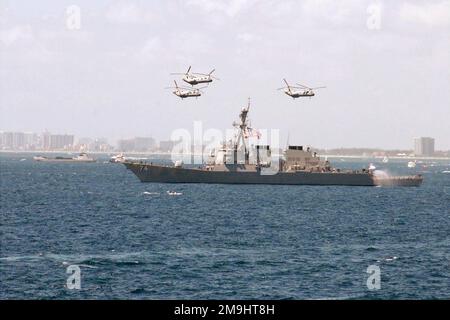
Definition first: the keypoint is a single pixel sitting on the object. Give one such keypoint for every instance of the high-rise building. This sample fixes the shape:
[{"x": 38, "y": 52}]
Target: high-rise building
[
  {"x": 99, "y": 144},
  {"x": 140, "y": 144},
  {"x": 61, "y": 141},
  {"x": 166, "y": 145},
  {"x": 18, "y": 140},
  {"x": 126, "y": 145},
  {"x": 424, "y": 146},
  {"x": 144, "y": 143},
  {"x": 6, "y": 140},
  {"x": 45, "y": 140},
  {"x": 31, "y": 140}
]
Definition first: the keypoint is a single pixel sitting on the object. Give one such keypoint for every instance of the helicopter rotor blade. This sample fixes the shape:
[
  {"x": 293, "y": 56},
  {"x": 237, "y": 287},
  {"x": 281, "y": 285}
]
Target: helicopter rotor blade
[
  {"x": 303, "y": 86},
  {"x": 205, "y": 75},
  {"x": 290, "y": 87}
]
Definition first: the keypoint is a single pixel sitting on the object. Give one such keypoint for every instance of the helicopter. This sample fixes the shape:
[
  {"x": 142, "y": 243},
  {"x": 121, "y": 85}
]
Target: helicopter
[
  {"x": 184, "y": 92},
  {"x": 299, "y": 90},
  {"x": 196, "y": 78}
]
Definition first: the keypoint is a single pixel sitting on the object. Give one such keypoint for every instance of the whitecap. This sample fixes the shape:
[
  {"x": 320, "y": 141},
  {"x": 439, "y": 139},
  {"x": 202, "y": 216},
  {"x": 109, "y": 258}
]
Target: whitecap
[
  {"x": 86, "y": 266},
  {"x": 21, "y": 258},
  {"x": 388, "y": 259},
  {"x": 174, "y": 193}
]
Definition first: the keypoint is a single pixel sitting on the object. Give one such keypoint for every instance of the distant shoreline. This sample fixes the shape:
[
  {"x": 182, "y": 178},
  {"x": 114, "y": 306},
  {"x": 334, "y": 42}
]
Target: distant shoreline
[
  {"x": 334, "y": 156},
  {"x": 389, "y": 157}
]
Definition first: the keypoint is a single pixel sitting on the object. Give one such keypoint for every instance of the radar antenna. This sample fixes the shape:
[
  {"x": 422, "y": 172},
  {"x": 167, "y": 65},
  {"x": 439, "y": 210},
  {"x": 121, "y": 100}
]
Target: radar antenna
[{"x": 242, "y": 132}]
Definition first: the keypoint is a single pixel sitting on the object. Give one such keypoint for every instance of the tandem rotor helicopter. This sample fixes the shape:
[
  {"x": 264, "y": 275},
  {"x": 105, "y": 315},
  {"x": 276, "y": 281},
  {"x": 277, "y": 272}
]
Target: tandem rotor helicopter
[
  {"x": 197, "y": 78},
  {"x": 299, "y": 90},
  {"x": 192, "y": 79},
  {"x": 184, "y": 92}
]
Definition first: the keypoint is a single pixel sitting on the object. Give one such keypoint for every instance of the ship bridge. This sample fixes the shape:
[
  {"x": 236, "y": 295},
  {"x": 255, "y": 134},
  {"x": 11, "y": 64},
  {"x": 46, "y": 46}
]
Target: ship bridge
[{"x": 299, "y": 158}]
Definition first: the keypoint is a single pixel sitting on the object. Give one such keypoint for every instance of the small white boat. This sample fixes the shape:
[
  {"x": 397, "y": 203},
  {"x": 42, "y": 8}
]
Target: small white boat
[
  {"x": 385, "y": 160},
  {"x": 412, "y": 164},
  {"x": 120, "y": 158},
  {"x": 82, "y": 157}
]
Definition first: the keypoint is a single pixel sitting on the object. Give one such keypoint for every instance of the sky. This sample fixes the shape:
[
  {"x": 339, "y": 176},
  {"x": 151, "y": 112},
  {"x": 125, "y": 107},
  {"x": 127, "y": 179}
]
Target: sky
[{"x": 100, "y": 68}]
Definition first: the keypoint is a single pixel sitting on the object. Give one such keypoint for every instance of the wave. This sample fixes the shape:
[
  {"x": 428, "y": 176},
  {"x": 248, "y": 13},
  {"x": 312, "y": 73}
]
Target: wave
[
  {"x": 81, "y": 260},
  {"x": 387, "y": 259},
  {"x": 174, "y": 193}
]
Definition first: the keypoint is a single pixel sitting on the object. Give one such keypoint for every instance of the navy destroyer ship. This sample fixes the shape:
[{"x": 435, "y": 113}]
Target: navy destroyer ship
[{"x": 231, "y": 164}]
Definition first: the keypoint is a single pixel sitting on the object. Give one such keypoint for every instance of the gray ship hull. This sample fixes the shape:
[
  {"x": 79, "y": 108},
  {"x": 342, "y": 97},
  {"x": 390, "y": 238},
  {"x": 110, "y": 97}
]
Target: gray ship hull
[
  {"x": 162, "y": 174},
  {"x": 232, "y": 165}
]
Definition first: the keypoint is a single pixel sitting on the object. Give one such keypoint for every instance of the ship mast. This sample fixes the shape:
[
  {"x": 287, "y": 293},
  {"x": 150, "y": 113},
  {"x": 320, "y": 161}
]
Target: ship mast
[{"x": 242, "y": 131}]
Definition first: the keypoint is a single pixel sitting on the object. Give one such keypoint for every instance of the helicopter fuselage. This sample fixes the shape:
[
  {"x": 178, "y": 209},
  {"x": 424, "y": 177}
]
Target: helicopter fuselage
[
  {"x": 298, "y": 94},
  {"x": 196, "y": 80},
  {"x": 186, "y": 93}
]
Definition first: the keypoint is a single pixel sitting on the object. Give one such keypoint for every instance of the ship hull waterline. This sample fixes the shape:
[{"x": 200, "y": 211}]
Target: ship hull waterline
[{"x": 165, "y": 174}]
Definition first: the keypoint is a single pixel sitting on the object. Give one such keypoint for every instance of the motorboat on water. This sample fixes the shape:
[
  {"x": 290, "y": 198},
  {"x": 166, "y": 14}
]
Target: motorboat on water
[
  {"x": 412, "y": 164},
  {"x": 119, "y": 158},
  {"x": 82, "y": 157}
]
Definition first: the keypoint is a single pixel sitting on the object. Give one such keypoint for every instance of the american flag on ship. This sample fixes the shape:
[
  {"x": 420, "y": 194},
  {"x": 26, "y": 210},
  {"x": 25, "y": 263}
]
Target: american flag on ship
[{"x": 252, "y": 133}]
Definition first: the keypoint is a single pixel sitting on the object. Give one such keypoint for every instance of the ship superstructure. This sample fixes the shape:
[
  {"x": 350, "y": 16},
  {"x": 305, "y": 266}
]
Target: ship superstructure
[{"x": 232, "y": 164}]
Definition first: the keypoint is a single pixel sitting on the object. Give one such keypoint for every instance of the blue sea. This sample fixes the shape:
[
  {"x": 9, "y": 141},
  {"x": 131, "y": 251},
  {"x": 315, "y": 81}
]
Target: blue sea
[{"x": 133, "y": 240}]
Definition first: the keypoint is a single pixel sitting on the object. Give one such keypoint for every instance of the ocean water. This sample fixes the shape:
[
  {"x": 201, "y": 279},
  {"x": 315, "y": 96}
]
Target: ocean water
[{"x": 135, "y": 241}]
